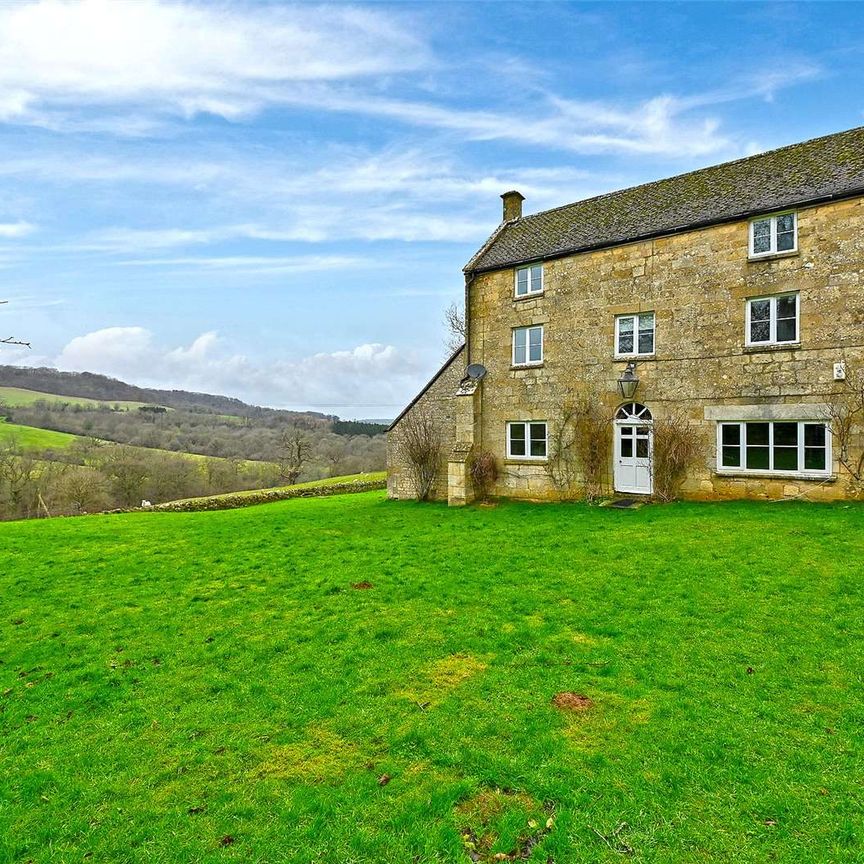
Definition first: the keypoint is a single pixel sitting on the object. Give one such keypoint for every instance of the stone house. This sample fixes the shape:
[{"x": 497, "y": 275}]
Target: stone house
[{"x": 730, "y": 298}]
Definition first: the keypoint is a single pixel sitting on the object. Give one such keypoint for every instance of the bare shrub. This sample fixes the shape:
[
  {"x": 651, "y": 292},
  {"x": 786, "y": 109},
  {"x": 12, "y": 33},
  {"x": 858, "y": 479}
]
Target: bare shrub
[
  {"x": 579, "y": 446},
  {"x": 484, "y": 473},
  {"x": 420, "y": 447},
  {"x": 593, "y": 444},
  {"x": 845, "y": 415},
  {"x": 678, "y": 446}
]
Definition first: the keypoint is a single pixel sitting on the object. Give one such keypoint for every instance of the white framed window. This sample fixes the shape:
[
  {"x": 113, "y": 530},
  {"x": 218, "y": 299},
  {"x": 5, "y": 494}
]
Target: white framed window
[
  {"x": 528, "y": 345},
  {"x": 529, "y": 280},
  {"x": 527, "y": 439},
  {"x": 634, "y": 334},
  {"x": 773, "y": 235},
  {"x": 774, "y": 447},
  {"x": 772, "y": 320}
]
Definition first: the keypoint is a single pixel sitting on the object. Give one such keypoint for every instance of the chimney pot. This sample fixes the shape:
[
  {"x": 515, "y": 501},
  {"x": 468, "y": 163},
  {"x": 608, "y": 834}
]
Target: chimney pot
[{"x": 512, "y": 205}]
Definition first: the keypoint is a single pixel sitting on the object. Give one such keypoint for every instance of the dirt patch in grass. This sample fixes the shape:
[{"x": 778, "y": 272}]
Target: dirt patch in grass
[
  {"x": 321, "y": 757},
  {"x": 568, "y": 701},
  {"x": 502, "y": 825},
  {"x": 362, "y": 586},
  {"x": 439, "y": 677},
  {"x": 612, "y": 718}
]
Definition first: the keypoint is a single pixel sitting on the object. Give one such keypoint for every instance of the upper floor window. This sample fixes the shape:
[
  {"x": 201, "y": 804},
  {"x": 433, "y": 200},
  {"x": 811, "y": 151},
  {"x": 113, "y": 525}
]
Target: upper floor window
[
  {"x": 529, "y": 280},
  {"x": 773, "y": 234},
  {"x": 527, "y": 345},
  {"x": 526, "y": 440},
  {"x": 634, "y": 334},
  {"x": 772, "y": 320}
]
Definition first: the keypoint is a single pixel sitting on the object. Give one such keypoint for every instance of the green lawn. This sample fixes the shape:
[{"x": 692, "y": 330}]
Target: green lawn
[
  {"x": 18, "y": 397},
  {"x": 209, "y": 687}
]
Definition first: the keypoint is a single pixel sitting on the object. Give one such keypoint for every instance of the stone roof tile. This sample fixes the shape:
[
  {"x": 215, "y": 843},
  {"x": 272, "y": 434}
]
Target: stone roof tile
[{"x": 832, "y": 166}]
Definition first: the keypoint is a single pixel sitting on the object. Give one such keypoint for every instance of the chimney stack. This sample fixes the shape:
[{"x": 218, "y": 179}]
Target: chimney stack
[{"x": 512, "y": 205}]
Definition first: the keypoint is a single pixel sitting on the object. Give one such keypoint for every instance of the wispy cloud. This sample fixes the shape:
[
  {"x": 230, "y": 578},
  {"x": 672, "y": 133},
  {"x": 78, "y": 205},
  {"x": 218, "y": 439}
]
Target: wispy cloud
[
  {"x": 260, "y": 264},
  {"x": 184, "y": 58}
]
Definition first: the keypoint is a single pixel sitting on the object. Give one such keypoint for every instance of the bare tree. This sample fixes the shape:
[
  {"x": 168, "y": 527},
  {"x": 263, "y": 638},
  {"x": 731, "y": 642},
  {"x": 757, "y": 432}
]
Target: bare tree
[
  {"x": 295, "y": 448},
  {"x": 11, "y": 340},
  {"x": 420, "y": 447},
  {"x": 18, "y": 476},
  {"x": 454, "y": 320}
]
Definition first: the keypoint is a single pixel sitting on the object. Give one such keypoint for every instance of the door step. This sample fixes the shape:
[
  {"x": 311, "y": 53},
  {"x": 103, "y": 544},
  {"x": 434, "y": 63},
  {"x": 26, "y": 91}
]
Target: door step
[{"x": 625, "y": 503}]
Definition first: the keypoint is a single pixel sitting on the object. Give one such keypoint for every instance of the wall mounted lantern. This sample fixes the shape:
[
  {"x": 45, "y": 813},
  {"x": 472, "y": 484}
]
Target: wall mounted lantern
[{"x": 629, "y": 381}]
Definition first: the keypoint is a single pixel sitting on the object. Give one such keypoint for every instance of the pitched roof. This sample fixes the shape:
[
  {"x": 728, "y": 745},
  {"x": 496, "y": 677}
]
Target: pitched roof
[
  {"x": 819, "y": 169},
  {"x": 447, "y": 363}
]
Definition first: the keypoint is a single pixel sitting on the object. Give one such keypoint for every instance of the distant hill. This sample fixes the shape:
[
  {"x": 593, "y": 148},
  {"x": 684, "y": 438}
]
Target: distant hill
[{"x": 89, "y": 385}]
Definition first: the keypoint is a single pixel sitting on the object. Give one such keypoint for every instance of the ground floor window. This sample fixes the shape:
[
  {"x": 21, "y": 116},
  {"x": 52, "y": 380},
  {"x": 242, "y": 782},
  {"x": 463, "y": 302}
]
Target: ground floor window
[
  {"x": 781, "y": 446},
  {"x": 526, "y": 440}
]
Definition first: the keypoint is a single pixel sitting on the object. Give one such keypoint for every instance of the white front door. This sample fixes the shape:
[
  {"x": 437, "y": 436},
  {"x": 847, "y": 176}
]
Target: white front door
[{"x": 633, "y": 458}]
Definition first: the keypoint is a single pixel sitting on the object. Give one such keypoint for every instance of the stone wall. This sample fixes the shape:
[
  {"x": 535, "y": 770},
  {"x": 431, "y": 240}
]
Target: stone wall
[
  {"x": 440, "y": 398},
  {"x": 696, "y": 283}
]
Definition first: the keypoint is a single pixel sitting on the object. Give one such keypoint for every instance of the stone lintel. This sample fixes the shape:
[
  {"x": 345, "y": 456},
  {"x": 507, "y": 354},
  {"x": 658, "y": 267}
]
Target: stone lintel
[{"x": 774, "y": 411}]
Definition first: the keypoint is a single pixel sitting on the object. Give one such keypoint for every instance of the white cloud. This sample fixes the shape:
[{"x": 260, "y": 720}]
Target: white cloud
[
  {"x": 368, "y": 375},
  {"x": 11, "y": 230},
  {"x": 260, "y": 264},
  {"x": 185, "y": 58}
]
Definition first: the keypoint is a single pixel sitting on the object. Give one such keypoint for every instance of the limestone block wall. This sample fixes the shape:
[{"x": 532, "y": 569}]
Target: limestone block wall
[
  {"x": 440, "y": 399},
  {"x": 697, "y": 284}
]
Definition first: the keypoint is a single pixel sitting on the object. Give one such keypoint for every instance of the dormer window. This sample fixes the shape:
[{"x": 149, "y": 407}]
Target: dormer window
[
  {"x": 529, "y": 280},
  {"x": 774, "y": 235}
]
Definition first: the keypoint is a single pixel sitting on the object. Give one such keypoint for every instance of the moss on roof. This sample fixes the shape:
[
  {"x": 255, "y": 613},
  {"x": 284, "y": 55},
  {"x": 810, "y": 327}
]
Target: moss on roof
[{"x": 831, "y": 166}]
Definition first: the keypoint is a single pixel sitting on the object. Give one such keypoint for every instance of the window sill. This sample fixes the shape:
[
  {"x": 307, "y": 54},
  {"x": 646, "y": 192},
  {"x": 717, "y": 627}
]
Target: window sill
[
  {"x": 526, "y": 367},
  {"x": 772, "y": 346},
  {"x": 626, "y": 358},
  {"x": 523, "y": 297},
  {"x": 772, "y": 256},
  {"x": 737, "y": 473},
  {"x": 526, "y": 460}
]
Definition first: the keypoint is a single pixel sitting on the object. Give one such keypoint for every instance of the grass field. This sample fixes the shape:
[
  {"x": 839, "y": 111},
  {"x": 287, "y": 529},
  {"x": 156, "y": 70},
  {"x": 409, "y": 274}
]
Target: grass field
[
  {"x": 210, "y": 687},
  {"x": 18, "y": 397},
  {"x": 32, "y": 438}
]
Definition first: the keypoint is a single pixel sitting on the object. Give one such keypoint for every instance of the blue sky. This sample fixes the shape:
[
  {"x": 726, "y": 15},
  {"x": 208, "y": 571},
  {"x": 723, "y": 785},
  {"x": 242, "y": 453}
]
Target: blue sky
[{"x": 275, "y": 201}]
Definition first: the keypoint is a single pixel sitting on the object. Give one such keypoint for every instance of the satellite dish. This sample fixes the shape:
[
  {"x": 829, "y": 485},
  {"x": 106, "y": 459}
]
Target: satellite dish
[{"x": 475, "y": 371}]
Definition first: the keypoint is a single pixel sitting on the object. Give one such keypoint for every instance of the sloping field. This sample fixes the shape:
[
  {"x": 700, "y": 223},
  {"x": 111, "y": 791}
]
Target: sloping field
[
  {"x": 32, "y": 438},
  {"x": 356, "y": 680},
  {"x": 18, "y": 397}
]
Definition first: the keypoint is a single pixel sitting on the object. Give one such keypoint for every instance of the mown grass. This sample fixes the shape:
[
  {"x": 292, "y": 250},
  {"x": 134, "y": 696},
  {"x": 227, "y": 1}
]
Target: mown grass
[
  {"x": 210, "y": 687},
  {"x": 19, "y": 397}
]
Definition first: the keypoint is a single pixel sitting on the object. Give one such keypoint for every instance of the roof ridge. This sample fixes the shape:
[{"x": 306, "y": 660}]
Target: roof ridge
[{"x": 681, "y": 176}]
